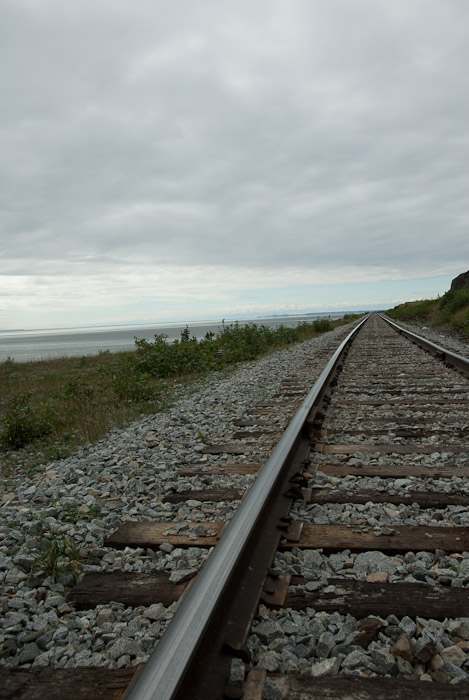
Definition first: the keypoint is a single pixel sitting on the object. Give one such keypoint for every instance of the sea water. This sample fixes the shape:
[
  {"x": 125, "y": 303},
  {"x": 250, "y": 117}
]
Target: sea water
[{"x": 25, "y": 346}]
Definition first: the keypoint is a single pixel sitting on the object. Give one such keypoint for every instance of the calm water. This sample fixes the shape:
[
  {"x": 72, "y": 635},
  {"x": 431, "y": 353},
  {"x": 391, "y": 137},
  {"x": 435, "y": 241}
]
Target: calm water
[{"x": 24, "y": 346}]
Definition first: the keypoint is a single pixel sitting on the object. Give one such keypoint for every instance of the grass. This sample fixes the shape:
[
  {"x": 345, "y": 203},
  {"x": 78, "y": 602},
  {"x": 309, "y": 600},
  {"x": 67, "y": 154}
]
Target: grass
[
  {"x": 58, "y": 557},
  {"x": 449, "y": 312},
  {"x": 49, "y": 408}
]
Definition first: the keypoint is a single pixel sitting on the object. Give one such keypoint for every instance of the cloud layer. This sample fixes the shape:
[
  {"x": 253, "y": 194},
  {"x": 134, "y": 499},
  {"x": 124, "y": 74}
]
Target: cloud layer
[{"x": 265, "y": 140}]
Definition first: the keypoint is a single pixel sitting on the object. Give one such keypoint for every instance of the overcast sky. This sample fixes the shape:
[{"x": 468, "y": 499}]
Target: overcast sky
[{"x": 182, "y": 160}]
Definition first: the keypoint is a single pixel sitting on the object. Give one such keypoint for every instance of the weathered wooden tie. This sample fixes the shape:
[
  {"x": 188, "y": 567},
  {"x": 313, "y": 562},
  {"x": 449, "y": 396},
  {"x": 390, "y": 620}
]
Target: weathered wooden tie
[
  {"x": 229, "y": 449},
  {"x": 331, "y": 538},
  {"x": 296, "y": 687},
  {"x": 125, "y": 587},
  {"x": 205, "y": 468},
  {"x": 424, "y": 499},
  {"x": 205, "y": 495},
  {"x": 395, "y": 471},
  {"x": 70, "y": 683},
  {"x": 361, "y": 598},
  {"x": 321, "y": 496},
  {"x": 388, "y": 448},
  {"x": 404, "y": 538}
]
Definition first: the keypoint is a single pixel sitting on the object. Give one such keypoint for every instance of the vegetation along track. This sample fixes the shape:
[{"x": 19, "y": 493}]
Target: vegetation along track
[{"x": 359, "y": 518}]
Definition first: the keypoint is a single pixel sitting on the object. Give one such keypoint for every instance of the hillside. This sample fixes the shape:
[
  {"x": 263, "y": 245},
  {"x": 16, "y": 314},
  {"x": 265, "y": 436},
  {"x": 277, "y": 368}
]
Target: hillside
[{"x": 449, "y": 312}]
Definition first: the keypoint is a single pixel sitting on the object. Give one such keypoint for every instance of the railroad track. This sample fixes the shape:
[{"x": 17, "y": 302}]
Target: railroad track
[{"x": 343, "y": 574}]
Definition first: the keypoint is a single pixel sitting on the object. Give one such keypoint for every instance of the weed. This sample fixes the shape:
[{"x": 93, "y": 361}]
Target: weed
[
  {"x": 202, "y": 437},
  {"x": 58, "y": 557},
  {"x": 131, "y": 384},
  {"x": 94, "y": 512},
  {"x": 455, "y": 300},
  {"x": 25, "y": 421}
]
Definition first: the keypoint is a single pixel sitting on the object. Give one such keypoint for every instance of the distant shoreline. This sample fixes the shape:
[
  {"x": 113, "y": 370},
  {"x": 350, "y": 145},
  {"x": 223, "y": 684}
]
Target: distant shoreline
[
  {"x": 33, "y": 345},
  {"x": 208, "y": 321}
]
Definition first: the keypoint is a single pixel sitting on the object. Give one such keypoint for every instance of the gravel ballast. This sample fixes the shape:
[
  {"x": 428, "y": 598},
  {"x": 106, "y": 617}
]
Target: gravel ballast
[
  {"x": 57, "y": 520},
  {"x": 75, "y": 503}
]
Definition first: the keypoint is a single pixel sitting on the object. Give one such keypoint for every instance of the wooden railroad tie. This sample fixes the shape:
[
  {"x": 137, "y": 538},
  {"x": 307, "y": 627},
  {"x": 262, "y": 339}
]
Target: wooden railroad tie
[
  {"x": 395, "y": 471},
  {"x": 388, "y": 448},
  {"x": 347, "y": 596},
  {"x": 331, "y": 538},
  {"x": 58, "y": 683},
  {"x": 321, "y": 496},
  {"x": 296, "y": 687}
]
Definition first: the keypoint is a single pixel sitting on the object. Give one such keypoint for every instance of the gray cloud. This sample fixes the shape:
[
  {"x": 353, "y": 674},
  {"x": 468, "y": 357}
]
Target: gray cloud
[{"x": 267, "y": 134}]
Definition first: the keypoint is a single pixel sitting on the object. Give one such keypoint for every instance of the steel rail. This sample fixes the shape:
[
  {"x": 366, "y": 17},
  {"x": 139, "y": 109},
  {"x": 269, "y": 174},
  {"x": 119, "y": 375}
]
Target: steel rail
[
  {"x": 459, "y": 362},
  {"x": 173, "y": 670}
]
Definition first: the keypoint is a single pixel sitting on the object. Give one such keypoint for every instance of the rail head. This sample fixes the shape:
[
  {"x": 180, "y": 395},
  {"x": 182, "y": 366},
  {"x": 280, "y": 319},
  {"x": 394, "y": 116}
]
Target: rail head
[
  {"x": 167, "y": 668},
  {"x": 458, "y": 362}
]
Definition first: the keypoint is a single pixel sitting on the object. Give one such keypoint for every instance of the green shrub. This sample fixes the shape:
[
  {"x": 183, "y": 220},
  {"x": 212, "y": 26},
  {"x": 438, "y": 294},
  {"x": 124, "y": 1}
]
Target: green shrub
[
  {"x": 131, "y": 384},
  {"x": 451, "y": 311},
  {"x": 322, "y": 325},
  {"x": 414, "y": 310},
  {"x": 24, "y": 422},
  {"x": 454, "y": 300},
  {"x": 70, "y": 401}
]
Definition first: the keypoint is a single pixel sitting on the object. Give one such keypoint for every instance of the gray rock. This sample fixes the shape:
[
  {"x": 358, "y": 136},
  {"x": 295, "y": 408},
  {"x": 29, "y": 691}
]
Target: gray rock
[
  {"x": 157, "y": 611},
  {"x": 121, "y": 647},
  {"x": 290, "y": 661},
  {"x": 337, "y": 561},
  {"x": 315, "y": 585},
  {"x": 181, "y": 575},
  {"x": 289, "y": 627},
  {"x": 455, "y": 673},
  {"x": 315, "y": 627},
  {"x": 371, "y": 562},
  {"x": 270, "y": 660},
  {"x": 312, "y": 557},
  {"x": 302, "y": 651},
  {"x": 356, "y": 659},
  {"x": 425, "y": 647},
  {"x": 327, "y": 667},
  {"x": 271, "y": 691},
  {"x": 123, "y": 661},
  {"x": 383, "y": 662},
  {"x": 393, "y": 632},
  {"x": 345, "y": 631},
  {"x": 166, "y": 547},
  {"x": 405, "y": 668},
  {"x": 105, "y": 615},
  {"x": 325, "y": 643},
  {"x": 408, "y": 626},
  {"x": 268, "y": 630},
  {"x": 237, "y": 673},
  {"x": 29, "y": 653}
]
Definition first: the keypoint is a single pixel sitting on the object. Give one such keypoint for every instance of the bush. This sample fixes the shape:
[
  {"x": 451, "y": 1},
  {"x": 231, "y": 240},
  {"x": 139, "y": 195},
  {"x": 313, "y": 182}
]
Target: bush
[
  {"x": 73, "y": 400},
  {"x": 454, "y": 300},
  {"x": 133, "y": 385},
  {"x": 233, "y": 343},
  {"x": 322, "y": 325},
  {"x": 451, "y": 311},
  {"x": 161, "y": 359},
  {"x": 25, "y": 422},
  {"x": 413, "y": 310}
]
